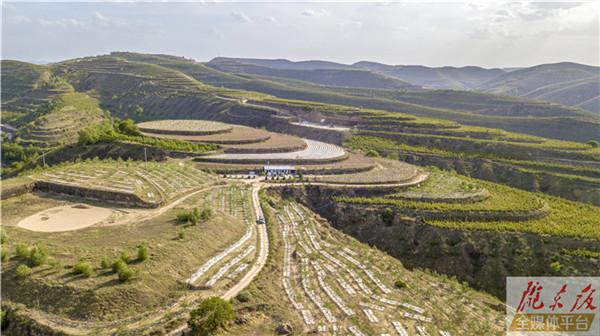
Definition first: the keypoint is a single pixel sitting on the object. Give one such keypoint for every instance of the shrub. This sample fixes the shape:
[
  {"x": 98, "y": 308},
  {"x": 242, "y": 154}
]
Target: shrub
[
  {"x": 211, "y": 315},
  {"x": 372, "y": 153},
  {"x": 142, "y": 253},
  {"x": 22, "y": 250},
  {"x": 400, "y": 284},
  {"x": 556, "y": 266},
  {"x": 387, "y": 216},
  {"x": 189, "y": 217},
  {"x": 125, "y": 257},
  {"x": 4, "y": 255},
  {"x": 181, "y": 235},
  {"x": 128, "y": 127},
  {"x": 593, "y": 143},
  {"x": 83, "y": 268},
  {"x": 206, "y": 214},
  {"x": 3, "y": 236},
  {"x": 125, "y": 273},
  {"x": 105, "y": 263},
  {"x": 243, "y": 297},
  {"x": 23, "y": 271},
  {"x": 38, "y": 254},
  {"x": 117, "y": 265}
]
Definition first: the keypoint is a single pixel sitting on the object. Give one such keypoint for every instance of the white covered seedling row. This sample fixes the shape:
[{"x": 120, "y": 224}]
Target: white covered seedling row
[{"x": 303, "y": 244}]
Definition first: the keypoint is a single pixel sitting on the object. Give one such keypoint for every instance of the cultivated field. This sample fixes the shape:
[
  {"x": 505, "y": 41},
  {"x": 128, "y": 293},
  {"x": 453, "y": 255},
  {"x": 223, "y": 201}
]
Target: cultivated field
[
  {"x": 237, "y": 135},
  {"x": 444, "y": 187},
  {"x": 315, "y": 152},
  {"x": 332, "y": 284},
  {"x": 185, "y": 127},
  {"x": 153, "y": 183},
  {"x": 385, "y": 172}
]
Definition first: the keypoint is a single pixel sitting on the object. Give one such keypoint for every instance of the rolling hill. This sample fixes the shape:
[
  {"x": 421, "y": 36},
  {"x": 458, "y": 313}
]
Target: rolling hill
[
  {"x": 436, "y": 78},
  {"x": 323, "y": 73},
  {"x": 564, "y": 83}
]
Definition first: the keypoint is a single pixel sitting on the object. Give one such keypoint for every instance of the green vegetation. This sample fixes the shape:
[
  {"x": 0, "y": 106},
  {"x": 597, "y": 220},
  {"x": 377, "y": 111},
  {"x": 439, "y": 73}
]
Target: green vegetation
[
  {"x": 399, "y": 283},
  {"x": 189, "y": 217},
  {"x": 142, "y": 252},
  {"x": 105, "y": 263},
  {"x": 22, "y": 251},
  {"x": 38, "y": 254},
  {"x": 211, "y": 315},
  {"x": 125, "y": 273},
  {"x": 5, "y": 255},
  {"x": 23, "y": 271},
  {"x": 127, "y": 131},
  {"x": 83, "y": 268}
]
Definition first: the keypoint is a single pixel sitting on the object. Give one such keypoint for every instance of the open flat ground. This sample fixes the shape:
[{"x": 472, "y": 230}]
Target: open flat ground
[
  {"x": 237, "y": 135},
  {"x": 65, "y": 218},
  {"x": 189, "y": 127}
]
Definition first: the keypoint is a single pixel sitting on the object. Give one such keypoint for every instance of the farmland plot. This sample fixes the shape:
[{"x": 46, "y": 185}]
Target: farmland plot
[
  {"x": 151, "y": 182},
  {"x": 336, "y": 289}
]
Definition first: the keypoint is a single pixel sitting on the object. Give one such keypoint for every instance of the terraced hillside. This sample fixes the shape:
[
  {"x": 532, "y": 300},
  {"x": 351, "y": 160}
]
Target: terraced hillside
[
  {"x": 476, "y": 230},
  {"x": 69, "y": 114},
  {"x": 322, "y": 281},
  {"x": 123, "y": 182}
]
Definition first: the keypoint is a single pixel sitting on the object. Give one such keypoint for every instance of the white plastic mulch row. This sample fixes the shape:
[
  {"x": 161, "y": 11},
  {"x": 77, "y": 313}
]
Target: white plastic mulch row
[
  {"x": 212, "y": 261},
  {"x": 332, "y": 294},
  {"x": 314, "y": 297},
  {"x": 422, "y": 331},
  {"x": 355, "y": 331},
  {"x": 372, "y": 306},
  {"x": 217, "y": 276},
  {"x": 371, "y": 316},
  {"x": 399, "y": 328}
]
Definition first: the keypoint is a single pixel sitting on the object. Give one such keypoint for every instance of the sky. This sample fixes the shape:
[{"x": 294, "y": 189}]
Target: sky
[{"x": 482, "y": 33}]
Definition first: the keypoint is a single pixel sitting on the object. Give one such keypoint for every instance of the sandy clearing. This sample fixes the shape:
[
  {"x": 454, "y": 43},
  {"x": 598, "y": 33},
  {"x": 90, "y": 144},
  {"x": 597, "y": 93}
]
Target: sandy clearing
[{"x": 65, "y": 218}]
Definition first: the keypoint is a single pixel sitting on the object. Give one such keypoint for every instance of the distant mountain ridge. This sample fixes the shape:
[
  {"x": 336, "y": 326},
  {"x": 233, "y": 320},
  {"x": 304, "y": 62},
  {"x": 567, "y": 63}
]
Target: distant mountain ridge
[
  {"x": 565, "y": 83},
  {"x": 318, "y": 72},
  {"x": 458, "y": 78}
]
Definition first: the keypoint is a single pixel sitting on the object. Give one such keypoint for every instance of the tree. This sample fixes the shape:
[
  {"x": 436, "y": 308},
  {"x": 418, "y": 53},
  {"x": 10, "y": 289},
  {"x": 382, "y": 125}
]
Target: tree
[
  {"x": 593, "y": 143},
  {"x": 211, "y": 315}
]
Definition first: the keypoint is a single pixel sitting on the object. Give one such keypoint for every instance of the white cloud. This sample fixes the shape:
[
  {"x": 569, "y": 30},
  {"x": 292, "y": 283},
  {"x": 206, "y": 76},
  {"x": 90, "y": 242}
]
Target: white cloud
[
  {"x": 314, "y": 13},
  {"x": 241, "y": 16}
]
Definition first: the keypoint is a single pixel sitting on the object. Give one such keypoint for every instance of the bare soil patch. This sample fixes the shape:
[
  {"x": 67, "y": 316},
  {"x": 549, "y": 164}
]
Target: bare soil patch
[{"x": 65, "y": 218}]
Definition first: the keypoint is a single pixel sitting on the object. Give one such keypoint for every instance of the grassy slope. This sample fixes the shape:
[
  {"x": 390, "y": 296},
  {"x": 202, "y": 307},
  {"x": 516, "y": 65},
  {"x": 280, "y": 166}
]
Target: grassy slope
[{"x": 102, "y": 296}]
